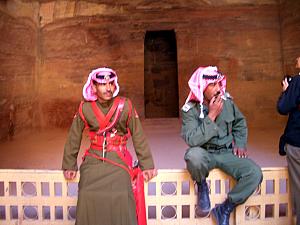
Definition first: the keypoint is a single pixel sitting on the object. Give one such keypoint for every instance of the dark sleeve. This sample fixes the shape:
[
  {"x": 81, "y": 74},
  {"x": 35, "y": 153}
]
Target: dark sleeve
[
  {"x": 139, "y": 140},
  {"x": 290, "y": 98},
  {"x": 197, "y": 132},
  {"x": 72, "y": 145}
]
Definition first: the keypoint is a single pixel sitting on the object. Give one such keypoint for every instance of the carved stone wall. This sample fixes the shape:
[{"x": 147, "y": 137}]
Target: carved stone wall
[
  {"x": 18, "y": 105},
  {"x": 290, "y": 34},
  {"x": 59, "y": 42}
]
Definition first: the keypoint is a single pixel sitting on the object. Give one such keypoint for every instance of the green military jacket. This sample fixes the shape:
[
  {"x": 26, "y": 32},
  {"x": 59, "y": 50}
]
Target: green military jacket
[
  {"x": 229, "y": 127},
  {"x": 140, "y": 143}
]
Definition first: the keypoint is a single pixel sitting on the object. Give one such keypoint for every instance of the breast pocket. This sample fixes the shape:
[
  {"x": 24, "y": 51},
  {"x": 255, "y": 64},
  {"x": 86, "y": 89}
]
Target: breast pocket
[
  {"x": 225, "y": 125},
  {"x": 228, "y": 124}
]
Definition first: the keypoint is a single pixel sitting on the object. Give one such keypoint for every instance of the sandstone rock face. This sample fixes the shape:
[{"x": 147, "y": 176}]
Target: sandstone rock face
[
  {"x": 290, "y": 34},
  {"x": 18, "y": 38},
  {"x": 48, "y": 48}
]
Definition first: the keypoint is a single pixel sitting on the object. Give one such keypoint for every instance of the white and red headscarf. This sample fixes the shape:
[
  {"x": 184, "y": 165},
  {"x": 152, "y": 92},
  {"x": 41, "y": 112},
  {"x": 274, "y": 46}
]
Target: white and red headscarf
[
  {"x": 102, "y": 76},
  {"x": 199, "y": 81}
]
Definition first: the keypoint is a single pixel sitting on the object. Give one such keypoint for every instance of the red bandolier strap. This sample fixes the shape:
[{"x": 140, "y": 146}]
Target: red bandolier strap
[
  {"x": 109, "y": 126},
  {"x": 81, "y": 114},
  {"x": 129, "y": 117},
  {"x": 103, "y": 120},
  {"x": 126, "y": 168}
]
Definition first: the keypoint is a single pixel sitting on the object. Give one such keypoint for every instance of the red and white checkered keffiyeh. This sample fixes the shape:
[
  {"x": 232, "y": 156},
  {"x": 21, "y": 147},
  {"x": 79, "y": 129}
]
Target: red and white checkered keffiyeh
[
  {"x": 100, "y": 75},
  {"x": 199, "y": 81}
]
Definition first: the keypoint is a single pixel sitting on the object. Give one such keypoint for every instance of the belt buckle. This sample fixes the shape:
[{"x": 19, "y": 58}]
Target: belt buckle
[
  {"x": 211, "y": 147},
  {"x": 218, "y": 150}
]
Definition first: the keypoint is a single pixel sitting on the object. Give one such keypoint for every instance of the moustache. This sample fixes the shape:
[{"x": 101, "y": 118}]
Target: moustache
[
  {"x": 218, "y": 92},
  {"x": 107, "y": 92}
]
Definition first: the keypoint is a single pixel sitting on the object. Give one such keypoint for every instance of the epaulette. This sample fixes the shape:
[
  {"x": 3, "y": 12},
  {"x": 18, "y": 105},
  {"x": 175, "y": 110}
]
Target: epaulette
[
  {"x": 227, "y": 96},
  {"x": 187, "y": 106}
]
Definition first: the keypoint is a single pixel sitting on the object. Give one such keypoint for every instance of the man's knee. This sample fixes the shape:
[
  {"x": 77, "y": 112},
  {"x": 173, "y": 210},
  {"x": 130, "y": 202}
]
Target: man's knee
[
  {"x": 194, "y": 155},
  {"x": 256, "y": 175},
  {"x": 196, "y": 159}
]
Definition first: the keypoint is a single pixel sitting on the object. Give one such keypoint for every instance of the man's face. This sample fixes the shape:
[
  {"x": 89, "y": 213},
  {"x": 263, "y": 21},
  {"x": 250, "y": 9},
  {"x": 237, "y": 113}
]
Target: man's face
[
  {"x": 104, "y": 91},
  {"x": 298, "y": 63},
  {"x": 211, "y": 90}
]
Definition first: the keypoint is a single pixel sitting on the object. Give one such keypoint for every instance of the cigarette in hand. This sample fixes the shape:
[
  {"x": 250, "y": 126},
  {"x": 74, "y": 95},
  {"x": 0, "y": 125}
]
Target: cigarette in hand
[{"x": 216, "y": 95}]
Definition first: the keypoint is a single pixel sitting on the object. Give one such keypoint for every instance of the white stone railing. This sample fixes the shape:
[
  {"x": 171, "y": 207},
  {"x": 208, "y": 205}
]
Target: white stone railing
[{"x": 30, "y": 197}]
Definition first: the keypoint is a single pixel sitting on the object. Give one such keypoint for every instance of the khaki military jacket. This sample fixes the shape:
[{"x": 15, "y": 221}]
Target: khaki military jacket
[
  {"x": 140, "y": 143},
  {"x": 229, "y": 128}
]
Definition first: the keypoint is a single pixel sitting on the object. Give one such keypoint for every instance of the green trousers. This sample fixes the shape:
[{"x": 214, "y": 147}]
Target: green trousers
[
  {"x": 247, "y": 174},
  {"x": 105, "y": 194}
]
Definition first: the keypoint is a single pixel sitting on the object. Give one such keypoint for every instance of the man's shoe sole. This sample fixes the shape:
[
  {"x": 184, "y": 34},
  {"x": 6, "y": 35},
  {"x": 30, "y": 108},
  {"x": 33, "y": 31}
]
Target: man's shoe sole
[{"x": 202, "y": 213}]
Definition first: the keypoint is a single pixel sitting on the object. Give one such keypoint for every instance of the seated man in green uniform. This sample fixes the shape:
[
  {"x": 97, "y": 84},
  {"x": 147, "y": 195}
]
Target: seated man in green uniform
[
  {"x": 107, "y": 180},
  {"x": 216, "y": 132}
]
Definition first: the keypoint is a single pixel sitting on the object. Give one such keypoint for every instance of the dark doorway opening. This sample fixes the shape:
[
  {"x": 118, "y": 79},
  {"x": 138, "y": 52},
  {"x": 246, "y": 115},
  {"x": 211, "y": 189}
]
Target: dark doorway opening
[{"x": 161, "y": 76}]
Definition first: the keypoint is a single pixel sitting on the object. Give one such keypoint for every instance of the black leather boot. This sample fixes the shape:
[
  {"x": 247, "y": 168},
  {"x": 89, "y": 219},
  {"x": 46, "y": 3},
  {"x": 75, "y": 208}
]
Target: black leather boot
[
  {"x": 222, "y": 212},
  {"x": 203, "y": 201}
]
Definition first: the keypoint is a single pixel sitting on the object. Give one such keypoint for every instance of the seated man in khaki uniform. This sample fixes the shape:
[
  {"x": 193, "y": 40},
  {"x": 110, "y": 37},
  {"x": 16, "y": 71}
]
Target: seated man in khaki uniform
[{"x": 216, "y": 132}]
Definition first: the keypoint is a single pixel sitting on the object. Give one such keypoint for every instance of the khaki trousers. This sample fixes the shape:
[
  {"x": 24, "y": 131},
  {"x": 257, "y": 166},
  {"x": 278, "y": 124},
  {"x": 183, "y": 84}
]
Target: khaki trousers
[
  {"x": 247, "y": 174},
  {"x": 293, "y": 161}
]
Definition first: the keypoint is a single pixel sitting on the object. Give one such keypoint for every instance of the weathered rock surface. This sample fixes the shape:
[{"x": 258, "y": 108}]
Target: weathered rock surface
[{"x": 48, "y": 48}]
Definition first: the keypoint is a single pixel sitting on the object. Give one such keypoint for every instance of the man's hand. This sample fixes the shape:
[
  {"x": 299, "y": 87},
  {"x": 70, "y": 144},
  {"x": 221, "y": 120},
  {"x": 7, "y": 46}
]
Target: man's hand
[
  {"x": 240, "y": 152},
  {"x": 285, "y": 84},
  {"x": 215, "y": 107},
  {"x": 149, "y": 174},
  {"x": 70, "y": 174}
]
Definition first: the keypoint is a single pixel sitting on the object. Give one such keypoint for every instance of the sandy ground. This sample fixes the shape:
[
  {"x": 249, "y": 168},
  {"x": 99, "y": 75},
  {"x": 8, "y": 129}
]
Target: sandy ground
[{"x": 44, "y": 149}]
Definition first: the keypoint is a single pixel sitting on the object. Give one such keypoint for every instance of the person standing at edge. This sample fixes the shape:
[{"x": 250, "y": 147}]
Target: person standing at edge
[
  {"x": 105, "y": 194},
  {"x": 216, "y": 132},
  {"x": 289, "y": 104}
]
